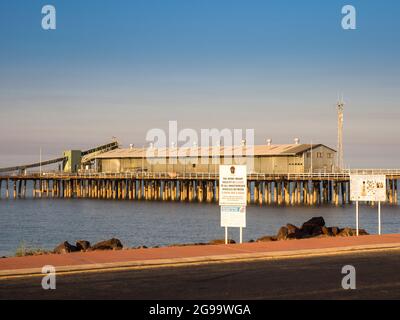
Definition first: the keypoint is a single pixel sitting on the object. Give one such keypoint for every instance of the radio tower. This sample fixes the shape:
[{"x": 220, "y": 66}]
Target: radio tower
[{"x": 340, "y": 108}]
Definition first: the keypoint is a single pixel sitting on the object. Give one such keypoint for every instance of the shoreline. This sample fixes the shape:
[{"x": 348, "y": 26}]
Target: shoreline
[{"x": 312, "y": 228}]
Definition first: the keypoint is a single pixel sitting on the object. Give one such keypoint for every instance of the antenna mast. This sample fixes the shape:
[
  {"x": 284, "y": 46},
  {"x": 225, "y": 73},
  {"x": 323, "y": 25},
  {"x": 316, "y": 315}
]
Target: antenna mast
[{"x": 340, "y": 109}]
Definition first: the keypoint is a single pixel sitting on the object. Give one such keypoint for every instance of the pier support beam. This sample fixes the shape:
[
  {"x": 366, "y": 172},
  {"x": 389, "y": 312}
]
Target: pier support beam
[{"x": 278, "y": 190}]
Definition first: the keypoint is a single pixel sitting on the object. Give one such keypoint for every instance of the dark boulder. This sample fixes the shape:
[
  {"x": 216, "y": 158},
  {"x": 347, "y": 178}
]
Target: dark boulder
[
  {"x": 313, "y": 226},
  {"x": 299, "y": 234},
  {"x": 316, "y": 221},
  {"x": 222, "y": 241},
  {"x": 316, "y": 231},
  {"x": 65, "y": 247},
  {"x": 291, "y": 236},
  {"x": 291, "y": 228},
  {"x": 362, "y": 232},
  {"x": 346, "y": 232},
  {"x": 349, "y": 232},
  {"x": 325, "y": 231},
  {"x": 333, "y": 231},
  {"x": 282, "y": 233},
  {"x": 266, "y": 239},
  {"x": 83, "y": 245},
  {"x": 112, "y": 244}
]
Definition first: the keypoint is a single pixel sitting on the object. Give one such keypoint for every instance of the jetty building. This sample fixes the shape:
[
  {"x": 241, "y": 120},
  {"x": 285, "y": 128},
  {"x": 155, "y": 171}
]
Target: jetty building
[{"x": 268, "y": 158}]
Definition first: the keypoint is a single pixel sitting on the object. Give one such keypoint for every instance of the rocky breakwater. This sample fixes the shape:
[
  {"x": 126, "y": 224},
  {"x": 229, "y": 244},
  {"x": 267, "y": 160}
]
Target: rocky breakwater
[
  {"x": 315, "y": 227},
  {"x": 83, "y": 245}
]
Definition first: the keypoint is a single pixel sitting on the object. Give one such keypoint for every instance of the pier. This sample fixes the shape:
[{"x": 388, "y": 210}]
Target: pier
[
  {"x": 263, "y": 189},
  {"x": 292, "y": 174}
]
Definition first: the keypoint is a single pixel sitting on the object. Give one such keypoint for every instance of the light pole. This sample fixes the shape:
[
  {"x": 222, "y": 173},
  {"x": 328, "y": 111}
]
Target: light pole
[
  {"x": 40, "y": 160},
  {"x": 311, "y": 157}
]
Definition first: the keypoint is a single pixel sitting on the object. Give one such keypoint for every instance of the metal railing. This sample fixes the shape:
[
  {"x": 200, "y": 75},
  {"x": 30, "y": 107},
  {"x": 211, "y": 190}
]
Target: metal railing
[
  {"x": 373, "y": 171},
  {"x": 317, "y": 175}
]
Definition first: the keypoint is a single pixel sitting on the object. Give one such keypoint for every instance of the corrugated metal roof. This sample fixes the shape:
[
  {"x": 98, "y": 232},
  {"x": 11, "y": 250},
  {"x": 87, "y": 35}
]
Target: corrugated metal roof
[{"x": 258, "y": 150}]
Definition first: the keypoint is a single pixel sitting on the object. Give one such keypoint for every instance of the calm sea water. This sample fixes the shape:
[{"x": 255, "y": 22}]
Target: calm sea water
[{"x": 43, "y": 223}]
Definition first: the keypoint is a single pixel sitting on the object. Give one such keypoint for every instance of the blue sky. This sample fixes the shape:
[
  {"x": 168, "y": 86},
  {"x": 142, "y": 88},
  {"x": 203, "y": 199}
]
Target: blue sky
[{"x": 120, "y": 68}]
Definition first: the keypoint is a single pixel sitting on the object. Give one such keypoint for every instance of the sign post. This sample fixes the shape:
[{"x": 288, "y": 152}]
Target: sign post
[
  {"x": 233, "y": 197},
  {"x": 357, "y": 217},
  {"x": 379, "y": 217},
  {"x": 368, "y": 188}
]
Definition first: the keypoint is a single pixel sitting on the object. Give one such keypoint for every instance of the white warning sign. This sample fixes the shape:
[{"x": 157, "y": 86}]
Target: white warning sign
[
  {"x": 232, "y": 185},
  {"x": 233, "y": 216},
  {"x": 368, "y": 187}
]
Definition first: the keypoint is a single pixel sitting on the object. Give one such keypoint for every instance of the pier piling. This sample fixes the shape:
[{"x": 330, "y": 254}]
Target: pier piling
[{"x": 264, "y": 190}]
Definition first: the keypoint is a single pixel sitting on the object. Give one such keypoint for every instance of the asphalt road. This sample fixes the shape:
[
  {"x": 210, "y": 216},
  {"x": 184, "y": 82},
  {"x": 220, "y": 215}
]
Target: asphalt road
[{"x": 377, "y": 277}]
